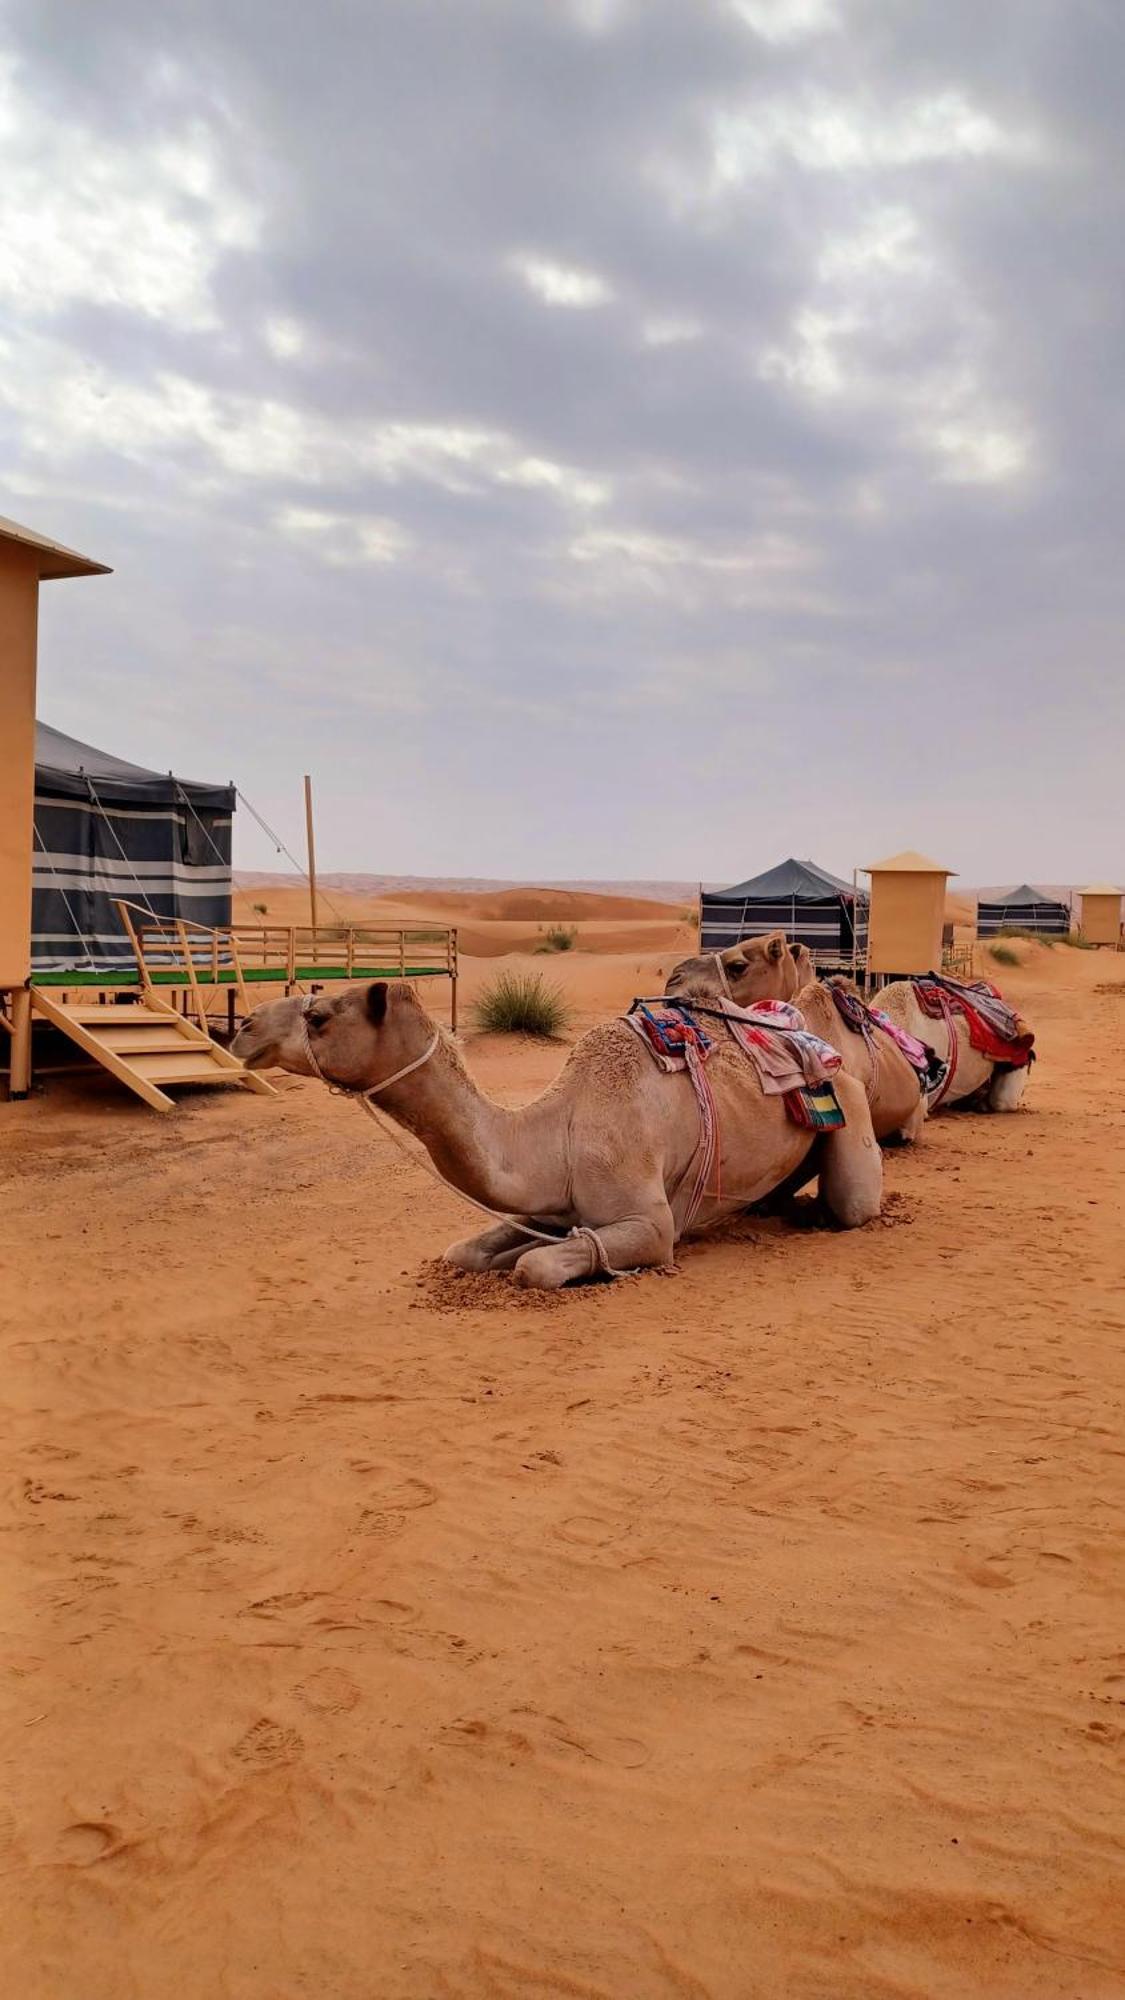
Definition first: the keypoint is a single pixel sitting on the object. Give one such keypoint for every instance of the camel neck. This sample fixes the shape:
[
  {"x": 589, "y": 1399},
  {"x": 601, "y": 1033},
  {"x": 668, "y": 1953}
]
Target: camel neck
[{"x": 499, "y": 1157}]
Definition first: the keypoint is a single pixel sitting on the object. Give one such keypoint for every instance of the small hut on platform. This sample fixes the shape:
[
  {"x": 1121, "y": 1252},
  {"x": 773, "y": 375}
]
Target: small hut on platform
[
  {"x": 907, "y": 915},
  {"x": 1023, "y": 909},
  {"x": 1101, "y": 914},
  {"x": 811, "y": 906}
]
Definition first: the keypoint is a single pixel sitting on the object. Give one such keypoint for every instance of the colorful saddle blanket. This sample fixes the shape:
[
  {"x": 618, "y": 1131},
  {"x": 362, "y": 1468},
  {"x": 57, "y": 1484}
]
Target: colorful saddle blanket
[
  {"x": 995, "y": 1029},
  {"x": 926, "y": 1063},
  {"x": 791, "y": 1062}
]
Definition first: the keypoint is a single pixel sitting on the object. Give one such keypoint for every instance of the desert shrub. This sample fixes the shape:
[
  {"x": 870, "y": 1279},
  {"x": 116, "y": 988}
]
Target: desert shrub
[
  {"x": 1077, "y": 942},
  {"x": 521, "y": 1003},
  {"x": 1031, "y": 937},
  {"x": 1003, "y": 954},
  {"x": 559, "y": 937},
  {"x": 259, "y": 909}
]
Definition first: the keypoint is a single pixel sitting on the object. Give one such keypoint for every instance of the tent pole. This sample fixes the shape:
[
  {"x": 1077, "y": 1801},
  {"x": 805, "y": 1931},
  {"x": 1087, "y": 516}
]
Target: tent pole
[{"x": 311, "y": 845}]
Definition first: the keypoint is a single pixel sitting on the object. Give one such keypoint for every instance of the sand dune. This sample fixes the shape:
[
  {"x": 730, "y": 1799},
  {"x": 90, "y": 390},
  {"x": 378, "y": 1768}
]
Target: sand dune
[
  {"x": 489, "y": 925},
  {"x": 748, "y": 1634}
]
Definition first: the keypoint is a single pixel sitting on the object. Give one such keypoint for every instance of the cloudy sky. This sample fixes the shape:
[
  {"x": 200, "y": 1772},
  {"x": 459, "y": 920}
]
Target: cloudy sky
[{"x": 593, "y": 437}]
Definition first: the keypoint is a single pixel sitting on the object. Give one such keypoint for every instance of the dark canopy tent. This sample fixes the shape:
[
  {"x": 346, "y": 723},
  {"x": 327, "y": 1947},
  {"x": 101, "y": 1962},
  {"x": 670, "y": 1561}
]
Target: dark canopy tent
[
  {"x": 1023, "y": 909},
  {"x": 811, "y": 906},
  {"x": 104, "y": 829}
]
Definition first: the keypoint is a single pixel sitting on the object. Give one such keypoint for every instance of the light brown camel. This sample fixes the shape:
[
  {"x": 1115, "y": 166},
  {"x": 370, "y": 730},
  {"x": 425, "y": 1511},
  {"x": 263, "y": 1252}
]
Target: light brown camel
[
  {"x": 973, "y": 1071},
  {"x": 766, "y": 969},
  {"x": 609, "y": 1148}
]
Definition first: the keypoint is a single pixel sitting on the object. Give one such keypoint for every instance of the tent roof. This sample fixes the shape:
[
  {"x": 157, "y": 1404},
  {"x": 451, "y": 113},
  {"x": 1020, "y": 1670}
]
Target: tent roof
[
  {"x": 53, "y": 559},
  {"x": 65, "y": 768},
  {"x": 795, "y": 881},
  {"x": 909, "y": 862},
  {"x": 1023, "y": 898}
]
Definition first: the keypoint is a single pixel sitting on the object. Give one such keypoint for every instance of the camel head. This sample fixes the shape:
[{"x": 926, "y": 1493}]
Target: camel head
[
  {"x": 357, "y": 1037},
  {"x": 760, "y": 968}
]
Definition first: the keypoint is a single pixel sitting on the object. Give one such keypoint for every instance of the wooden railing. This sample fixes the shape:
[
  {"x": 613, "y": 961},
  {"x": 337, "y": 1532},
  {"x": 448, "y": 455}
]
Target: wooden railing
[
  {"x": 202, "y": 959},
  {"x": 350, "y": 948}
]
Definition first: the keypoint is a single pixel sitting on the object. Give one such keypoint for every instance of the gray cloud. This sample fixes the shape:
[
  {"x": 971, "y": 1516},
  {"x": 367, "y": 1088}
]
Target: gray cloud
[{"x": 596, "y": 438}]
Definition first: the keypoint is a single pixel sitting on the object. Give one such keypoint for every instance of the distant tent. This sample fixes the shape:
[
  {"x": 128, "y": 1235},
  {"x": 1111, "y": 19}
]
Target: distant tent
[
  {"x": 106, "y": 829},
  {"x": 811, "y": 906},
  {"x": 1023, "y": 909}
]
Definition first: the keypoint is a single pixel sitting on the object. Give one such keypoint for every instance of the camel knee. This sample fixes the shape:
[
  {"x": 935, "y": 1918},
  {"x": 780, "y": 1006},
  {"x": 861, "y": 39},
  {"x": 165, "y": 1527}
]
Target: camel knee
[
  {"x": 484, "y": 1252},
  {"x": 1007, "y": 1088},
  {"x": 851, "y": 1181},
  {"x": 911, "y": 1129},
  {"x": 468, "y": 1255},
  {"x": 550, "y": 1267}
]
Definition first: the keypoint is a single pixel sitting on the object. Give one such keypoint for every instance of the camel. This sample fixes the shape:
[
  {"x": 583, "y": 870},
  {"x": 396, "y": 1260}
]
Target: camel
[
  {"x": 598, "y": 1164},
  {"x": 765, "y": 968},
  {"x": 973, "y": 1071}
]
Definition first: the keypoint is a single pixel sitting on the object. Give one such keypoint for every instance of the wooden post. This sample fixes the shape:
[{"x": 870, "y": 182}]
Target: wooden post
[
  {"x": 19, "y": 1075},
  {"x": 310, "y": 841}
]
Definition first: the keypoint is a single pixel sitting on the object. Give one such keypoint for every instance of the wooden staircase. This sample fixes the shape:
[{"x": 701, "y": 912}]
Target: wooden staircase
[{"x": 146, "y": 1045}]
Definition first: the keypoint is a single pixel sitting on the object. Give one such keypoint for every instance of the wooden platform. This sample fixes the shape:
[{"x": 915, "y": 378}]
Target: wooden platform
[{"x": 146, "y": 1045}]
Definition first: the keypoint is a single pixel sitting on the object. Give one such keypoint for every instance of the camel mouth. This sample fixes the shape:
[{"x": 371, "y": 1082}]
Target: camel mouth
[{"x": 251, "y": 1057}]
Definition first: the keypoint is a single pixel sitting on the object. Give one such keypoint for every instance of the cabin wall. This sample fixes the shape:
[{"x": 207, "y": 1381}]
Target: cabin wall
[
  {"x": 19, "y": 613},
  {"x": 906, "y": 918},
  {"x": 1101, "y": 919}
]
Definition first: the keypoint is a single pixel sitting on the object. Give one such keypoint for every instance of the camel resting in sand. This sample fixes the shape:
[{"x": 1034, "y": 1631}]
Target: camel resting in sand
[
  {"x": 764, "y": 968},
  {"x": 602, "y": 1160},
  {"x": 973, "y": 1071}
]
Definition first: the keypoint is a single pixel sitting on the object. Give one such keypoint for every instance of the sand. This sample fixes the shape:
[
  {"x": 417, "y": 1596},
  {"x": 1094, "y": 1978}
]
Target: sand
[{"x": 372, "y": 1634}]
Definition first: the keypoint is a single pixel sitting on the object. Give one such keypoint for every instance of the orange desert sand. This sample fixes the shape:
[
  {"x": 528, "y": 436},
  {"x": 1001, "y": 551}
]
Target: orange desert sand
[{"x": 375, "y": 1634}]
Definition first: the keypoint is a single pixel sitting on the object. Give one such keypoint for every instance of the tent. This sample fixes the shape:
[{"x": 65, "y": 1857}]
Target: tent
[
  {"x": 1023, "y": 909},
  {"x": 811, "y": 906},
  {"x": 104, "y": 829}
]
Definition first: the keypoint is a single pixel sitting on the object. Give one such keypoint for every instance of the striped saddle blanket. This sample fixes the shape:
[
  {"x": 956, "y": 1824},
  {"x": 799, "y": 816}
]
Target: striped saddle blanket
[
  {"x": 791, "y": 1062},
  {"x": 995, "y": 1029}
]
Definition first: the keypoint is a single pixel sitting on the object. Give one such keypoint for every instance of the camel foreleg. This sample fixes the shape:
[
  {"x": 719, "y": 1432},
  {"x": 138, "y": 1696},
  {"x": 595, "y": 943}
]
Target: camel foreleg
[
  {"x": 494, "y": 1249},
  {"x": 636, "y": 1244},
  {"x": 1005, "y": 1091},
  {"x": 851, "y": 1165}
]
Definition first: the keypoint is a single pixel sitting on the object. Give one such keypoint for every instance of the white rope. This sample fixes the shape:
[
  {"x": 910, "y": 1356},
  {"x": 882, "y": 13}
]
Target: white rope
[
  {"x": 724, "y": 982},
  {"x": 599, "y": 1259},
  {"x": 281, "y": 848},
  {"x": 125, "y": 858},
  {"x": 59, "y": 890}
]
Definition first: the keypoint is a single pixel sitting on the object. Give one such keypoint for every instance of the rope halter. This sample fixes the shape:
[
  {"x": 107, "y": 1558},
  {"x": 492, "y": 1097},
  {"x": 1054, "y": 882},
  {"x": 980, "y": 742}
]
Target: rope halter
[
  {"x": 724, "y": 982},
  {"x": 353, "y": 1089}
]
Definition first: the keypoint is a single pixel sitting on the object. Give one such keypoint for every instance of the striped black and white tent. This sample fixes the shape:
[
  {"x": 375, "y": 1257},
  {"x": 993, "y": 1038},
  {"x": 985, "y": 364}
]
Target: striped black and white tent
[
  {"x": 106, "y": 829},
  {"x": 811, "y": 906},
  {"x": 1023, "y": 909}
]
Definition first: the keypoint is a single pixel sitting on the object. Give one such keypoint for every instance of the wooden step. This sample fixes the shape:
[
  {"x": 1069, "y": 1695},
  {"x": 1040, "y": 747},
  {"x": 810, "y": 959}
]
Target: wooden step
[
  {"x": 148, "y": 1037},
  {"x": 189, "y": 1066},
  {"x": 146, "y": 1045},
  {"x": 129, "y": 1010}
]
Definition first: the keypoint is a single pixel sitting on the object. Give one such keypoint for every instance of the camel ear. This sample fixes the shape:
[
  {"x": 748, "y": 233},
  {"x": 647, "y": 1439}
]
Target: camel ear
[
  {"x": 776, "y": 946},
  {"x": 377, "y": 1002}
]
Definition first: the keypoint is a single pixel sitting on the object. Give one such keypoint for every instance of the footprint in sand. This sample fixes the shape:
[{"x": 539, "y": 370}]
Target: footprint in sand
[
  {"x": 524, "y": 1732},
  {"x": 280, "y": 1602},
  {"x": 393, "y": 1495},
  {"x": 87, "y": 1841},
  {"x": 591, "y": 1531},
  {"x": 267, "y": 1744},
  {"x": 330, "y": 1691},
  {"x": 382, "y": 1522}
]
